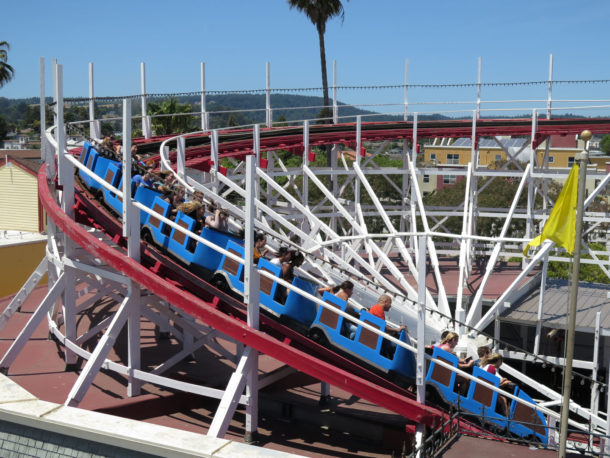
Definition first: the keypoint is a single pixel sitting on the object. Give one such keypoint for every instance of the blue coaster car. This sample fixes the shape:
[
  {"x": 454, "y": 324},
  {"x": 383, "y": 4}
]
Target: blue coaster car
[{"x": 367, "y": 345}]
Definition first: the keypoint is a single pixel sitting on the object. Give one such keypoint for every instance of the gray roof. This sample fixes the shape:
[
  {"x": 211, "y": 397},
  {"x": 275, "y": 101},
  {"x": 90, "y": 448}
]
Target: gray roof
[
  {"x": 490, "y": 142},
  {"x": 592, "y": 298}
]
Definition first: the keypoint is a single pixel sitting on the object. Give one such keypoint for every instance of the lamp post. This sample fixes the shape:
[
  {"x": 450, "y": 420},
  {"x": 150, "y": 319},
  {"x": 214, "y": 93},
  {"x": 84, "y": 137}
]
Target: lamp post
[{"x": 581, "y": 159}]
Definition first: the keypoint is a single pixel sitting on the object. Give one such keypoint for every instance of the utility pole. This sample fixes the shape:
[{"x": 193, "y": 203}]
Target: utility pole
[{"x": 581, "y": 159}]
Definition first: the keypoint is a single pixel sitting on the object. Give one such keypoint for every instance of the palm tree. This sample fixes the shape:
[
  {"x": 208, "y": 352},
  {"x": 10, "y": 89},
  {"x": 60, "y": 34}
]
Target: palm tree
[
  {"x": 6, "y": 71},
  {"x": 177, "y": 123},
  {"x": 319, "y": 12}
]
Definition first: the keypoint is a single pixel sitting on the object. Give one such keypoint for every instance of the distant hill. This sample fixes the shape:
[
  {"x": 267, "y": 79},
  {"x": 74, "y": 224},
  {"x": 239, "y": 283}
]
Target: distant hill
[
  {"x": 24, "y": 113},
  {"x": 14, "y": 110}
]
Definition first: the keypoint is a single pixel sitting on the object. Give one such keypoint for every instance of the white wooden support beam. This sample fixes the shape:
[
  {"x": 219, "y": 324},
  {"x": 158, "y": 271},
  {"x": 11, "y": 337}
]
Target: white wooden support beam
[
  {"x": 268, "y": 117},
  {"x": 214, "y": 174},
  {"x": 595, "y": 388},
  {"x": 69, "y": 311},
  {"x": 489, "y": 316},
  {"x": 540, "y": 313},
  {"x": 204, "y": 117},
  {"x": 105, "y": 344},
  {"x": 605, "y": 445},
  {"x": 443, "y": 304},
  {"x": 146, "y": 121},
  {"x": 102, "y": 273},
  {"x": 43, "y": 113},
  {"x": 54, "y": 292},
  {"x": 131, "y": 230},
  {"x": 396, "y": 241},
  {"x": 335, "y": 106},
  {"x": 405, "y": 116},
  {"x": 230, "y": 399},
  {"x": 305, "y": 182},
  {"x": 531, "y": 197},
  {"x": 460, "y": 313},
  {"x": 24, "y": 292},
  {"x": 94, "y": 131},
  {"x": 479, "y": 89},
  {"x": 251, "y": 296},
  {"x": 421, "y": 322},
  {"x": 474, "y": 313},
  {"x": 180, "y": 156}
]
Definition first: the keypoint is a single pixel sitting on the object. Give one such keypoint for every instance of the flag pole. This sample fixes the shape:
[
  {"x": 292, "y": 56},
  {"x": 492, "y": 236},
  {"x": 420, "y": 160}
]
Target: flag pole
[{"x": 581, "y": 159}]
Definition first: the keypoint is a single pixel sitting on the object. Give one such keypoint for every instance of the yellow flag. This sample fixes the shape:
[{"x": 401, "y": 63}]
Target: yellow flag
[{"x": 561, "y": 225}]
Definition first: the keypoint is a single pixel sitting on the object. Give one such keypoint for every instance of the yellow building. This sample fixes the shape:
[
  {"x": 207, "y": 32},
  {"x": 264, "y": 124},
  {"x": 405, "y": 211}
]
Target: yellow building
[
  {"x": 20, "y": 210},
  {"x": 458, "y": 152}
]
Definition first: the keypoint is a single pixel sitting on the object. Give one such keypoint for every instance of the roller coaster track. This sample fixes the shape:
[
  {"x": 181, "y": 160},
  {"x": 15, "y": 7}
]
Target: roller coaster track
[
  {"x": 239, "y": 143},
  {"x": 216, "y": 309},
  {"x": 358, "y": 382}
]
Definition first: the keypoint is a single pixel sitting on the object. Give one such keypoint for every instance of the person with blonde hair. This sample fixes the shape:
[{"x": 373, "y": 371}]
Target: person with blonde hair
[
  {"x": 448, "y": 343},
  {"x": 193, "y": 209}
]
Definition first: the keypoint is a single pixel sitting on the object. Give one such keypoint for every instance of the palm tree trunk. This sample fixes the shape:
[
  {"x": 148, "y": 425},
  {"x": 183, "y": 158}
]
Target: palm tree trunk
[
  {"x": 325, "y": 110},
  {"x": 323, "y": 65}
]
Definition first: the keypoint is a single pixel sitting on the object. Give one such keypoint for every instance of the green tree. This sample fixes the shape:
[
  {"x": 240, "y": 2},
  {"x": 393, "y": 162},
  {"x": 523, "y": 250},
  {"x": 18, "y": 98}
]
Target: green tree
[
  {"x": 3, "y": 127},
  {"x": 604, "y": 144},
  {"x": 6, "y": 71},
  {"x": 319, "y": 12},
  {"x": 588, "y": 272},
  {"x": 177, "y": 123}
]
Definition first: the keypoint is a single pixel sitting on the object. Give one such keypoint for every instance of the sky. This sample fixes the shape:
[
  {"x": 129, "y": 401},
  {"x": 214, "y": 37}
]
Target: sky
[{"x": 441, "y": 39}]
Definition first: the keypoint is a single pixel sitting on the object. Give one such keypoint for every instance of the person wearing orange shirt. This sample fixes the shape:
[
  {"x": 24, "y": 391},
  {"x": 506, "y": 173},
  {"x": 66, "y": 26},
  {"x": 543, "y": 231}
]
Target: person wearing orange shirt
[{"x": 383, "y": 305}]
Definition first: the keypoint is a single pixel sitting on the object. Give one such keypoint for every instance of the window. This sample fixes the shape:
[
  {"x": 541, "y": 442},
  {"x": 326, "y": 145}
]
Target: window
[
  {"x": 571, "y": 160},
  {"x": 426, "y": 178},
  {"x": 551, "y": 159},
  {"x": 453, "y": 158},
  {"x": 498, "y": 157},
  {"x": 449, "y": 179},
  {"x": 433, "y": 156}
]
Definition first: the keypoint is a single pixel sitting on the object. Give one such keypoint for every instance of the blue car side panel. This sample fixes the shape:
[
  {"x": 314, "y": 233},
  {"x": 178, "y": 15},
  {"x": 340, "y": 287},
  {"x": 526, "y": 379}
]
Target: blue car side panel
[
  {"x": 235, "y": 273},
  {"x": 298, "y": 307},
  {"x": 533, "y": 422},
  {"x": 113, "y": 177},
  {"x": 91, "y": 162},
  {"x": 178, "y": 241},
  {"x": 442, "y": 378},
  {"x": 478, "y": 400},
  {"x": 145, "y": 196},
  {"x": 208, "y": 257},
  {"x": 101, "y": 167},
  {"x": 155, "y": 225},
  {"x": 268, "y": 287},
  {"x": 404, "y": 360}
]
